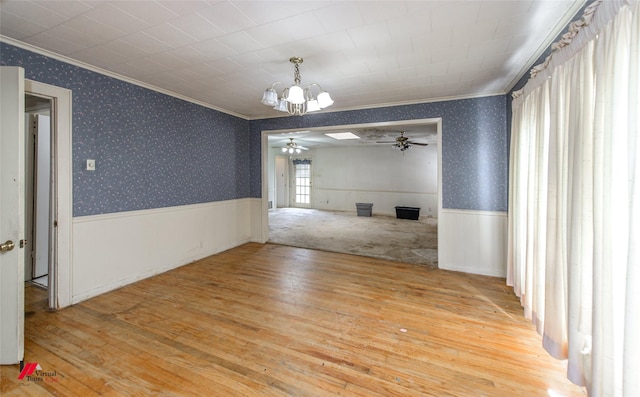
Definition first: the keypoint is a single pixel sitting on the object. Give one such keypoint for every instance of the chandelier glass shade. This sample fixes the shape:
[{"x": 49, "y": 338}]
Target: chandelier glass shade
[{"x": 296, "y": 100}]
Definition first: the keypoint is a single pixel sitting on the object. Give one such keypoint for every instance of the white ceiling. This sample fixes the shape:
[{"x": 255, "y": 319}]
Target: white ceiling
[
  {"x": 365, "y": 53},
  {"x": 370, "y": 135}
]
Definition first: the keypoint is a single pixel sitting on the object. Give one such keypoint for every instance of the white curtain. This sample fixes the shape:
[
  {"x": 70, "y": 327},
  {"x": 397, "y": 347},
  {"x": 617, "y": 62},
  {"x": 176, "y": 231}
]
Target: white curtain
[{"x": 574, "y": 204}]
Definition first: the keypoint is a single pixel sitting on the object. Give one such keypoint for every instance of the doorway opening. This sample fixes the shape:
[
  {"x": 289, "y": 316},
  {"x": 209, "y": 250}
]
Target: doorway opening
[
  {"x": 39, "y": 97},
  {"x": 347, "y": 172},
  {"x": 39, "y": 185},
  {"x": 40, "y": 188}
]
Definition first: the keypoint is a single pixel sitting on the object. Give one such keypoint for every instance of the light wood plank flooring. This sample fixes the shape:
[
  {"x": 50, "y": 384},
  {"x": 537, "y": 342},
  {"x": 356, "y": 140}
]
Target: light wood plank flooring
[{"x": 270, "y": 320}]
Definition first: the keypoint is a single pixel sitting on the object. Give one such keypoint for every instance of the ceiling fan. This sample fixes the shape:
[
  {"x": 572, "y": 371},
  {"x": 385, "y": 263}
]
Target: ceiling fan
[
  {"x": 403, "y": 143},
  {"x": 292, "y": 147}
]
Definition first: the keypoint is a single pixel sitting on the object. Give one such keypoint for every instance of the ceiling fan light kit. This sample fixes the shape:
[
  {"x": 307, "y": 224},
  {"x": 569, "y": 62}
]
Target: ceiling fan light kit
[
  {"x": 403, "y": 143},
  {"x": 296, "y": 100},
  {"x": 292, "y": 147}
]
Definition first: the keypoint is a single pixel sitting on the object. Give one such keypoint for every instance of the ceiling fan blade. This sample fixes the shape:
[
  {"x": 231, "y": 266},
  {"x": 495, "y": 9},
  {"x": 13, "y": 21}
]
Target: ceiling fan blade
[
  {"x": 418, "y": 143},
  {"x": 302, "y": 147}
]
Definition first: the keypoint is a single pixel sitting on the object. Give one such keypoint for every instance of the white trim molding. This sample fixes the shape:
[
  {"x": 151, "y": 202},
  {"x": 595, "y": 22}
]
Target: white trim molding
[{"x": 60, "y": 287}]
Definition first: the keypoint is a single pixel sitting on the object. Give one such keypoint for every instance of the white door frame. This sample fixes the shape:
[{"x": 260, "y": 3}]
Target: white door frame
[{"x": 60, "y": 272}]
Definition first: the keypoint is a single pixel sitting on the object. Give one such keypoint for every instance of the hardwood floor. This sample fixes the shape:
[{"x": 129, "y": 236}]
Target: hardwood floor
[{"x": 269, "y": 320}]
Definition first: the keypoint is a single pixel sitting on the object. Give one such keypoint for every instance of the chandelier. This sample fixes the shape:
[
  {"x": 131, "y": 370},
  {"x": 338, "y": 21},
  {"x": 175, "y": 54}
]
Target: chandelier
[{"x": 296, "y": 100}]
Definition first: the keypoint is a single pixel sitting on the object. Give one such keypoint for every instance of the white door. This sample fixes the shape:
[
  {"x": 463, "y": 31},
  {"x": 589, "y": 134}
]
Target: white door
[
  {"x": 281, "y": 182},
  {"x": 302, "y": 183},
  {"x": 12, "y": 177}
]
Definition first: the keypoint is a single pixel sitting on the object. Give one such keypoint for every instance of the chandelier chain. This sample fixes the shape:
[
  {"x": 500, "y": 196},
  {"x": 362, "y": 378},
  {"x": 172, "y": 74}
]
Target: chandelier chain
[{"x": 296, "y": 74}]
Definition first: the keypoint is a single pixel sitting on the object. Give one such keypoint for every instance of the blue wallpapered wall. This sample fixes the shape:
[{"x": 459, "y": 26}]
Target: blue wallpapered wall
[
  {"x": 474, "y": 145},
  {"x": 154, "y": 151},
  {"x": 151, "y": 150}
]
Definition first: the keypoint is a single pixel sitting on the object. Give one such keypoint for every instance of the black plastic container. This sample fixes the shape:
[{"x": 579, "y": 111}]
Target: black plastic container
[{"x": 408, "y": 213}]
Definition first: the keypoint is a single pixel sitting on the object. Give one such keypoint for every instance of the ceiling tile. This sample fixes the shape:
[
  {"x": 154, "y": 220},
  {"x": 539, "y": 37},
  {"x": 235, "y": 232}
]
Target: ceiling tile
[
  {"x": 67, "y": 8},
  {"x": 151, "y": 66},
  {"x": 332, "y": 42},
  {"x": 100, "y": 32},
  {"x": 170, "y": 35},
  {"x": 146, "y": 43},
  {"x": 287, "y": 30},
  {"x": 189, "y": 55},
  {"x": 116, "y": 18},
  {"x": 197, "y": 26},
  {"x": 182, "y": 7},
  {"x": 339, "y": 17},
  {"x": 17, "y": 27},
  {"x": 99, "y": 56},
  {"x": 370, "y": 34},
  {"x": 213, "y": 49},
  {"x": 132, "y": 70},
  {"x": 226, "y": 17},
  {"x": 507, "y": 10},
  {"x": 266, "y": 12},
  {"x": 169, "y": 61},
  {"x": 151, "y": 12},
  {"x": 373, "y": 12},
  {"x": 241, "y": 41},
  {"x": 56, "y": 44},
  {"x": 126, "y": 49},
  {"x": 33, "y": 12}
]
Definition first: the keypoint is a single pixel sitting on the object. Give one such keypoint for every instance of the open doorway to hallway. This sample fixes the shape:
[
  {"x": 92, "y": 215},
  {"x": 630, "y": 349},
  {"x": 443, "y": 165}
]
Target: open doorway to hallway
[{"x": 39, "y": 185}]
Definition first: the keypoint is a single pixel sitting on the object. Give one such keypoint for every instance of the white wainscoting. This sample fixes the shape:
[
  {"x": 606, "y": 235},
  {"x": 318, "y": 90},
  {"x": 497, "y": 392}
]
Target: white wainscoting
[
  {"x": 473, "y": 242},
  {"x": 113, "y": 250},
  {"x": 384, "y": 202}
]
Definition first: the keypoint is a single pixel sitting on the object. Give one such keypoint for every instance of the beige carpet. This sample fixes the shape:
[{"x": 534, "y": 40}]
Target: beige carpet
[{"x": 377, "y": 236}]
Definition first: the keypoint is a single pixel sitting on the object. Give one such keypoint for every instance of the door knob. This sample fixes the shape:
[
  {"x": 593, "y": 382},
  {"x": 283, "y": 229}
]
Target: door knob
[{"x": 7, "y": 246}]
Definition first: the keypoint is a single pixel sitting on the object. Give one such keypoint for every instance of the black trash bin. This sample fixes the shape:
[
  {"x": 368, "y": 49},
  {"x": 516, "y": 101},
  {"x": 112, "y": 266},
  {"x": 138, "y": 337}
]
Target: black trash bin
[{"x": 408, "y": 213}]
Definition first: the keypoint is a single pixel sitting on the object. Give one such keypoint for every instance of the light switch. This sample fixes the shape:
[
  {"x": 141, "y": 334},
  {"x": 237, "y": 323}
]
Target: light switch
[{"x": 91, "y": 165}]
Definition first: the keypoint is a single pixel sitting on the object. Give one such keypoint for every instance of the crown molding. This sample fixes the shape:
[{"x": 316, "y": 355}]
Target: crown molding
[{"x": 548, "y": 40}]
